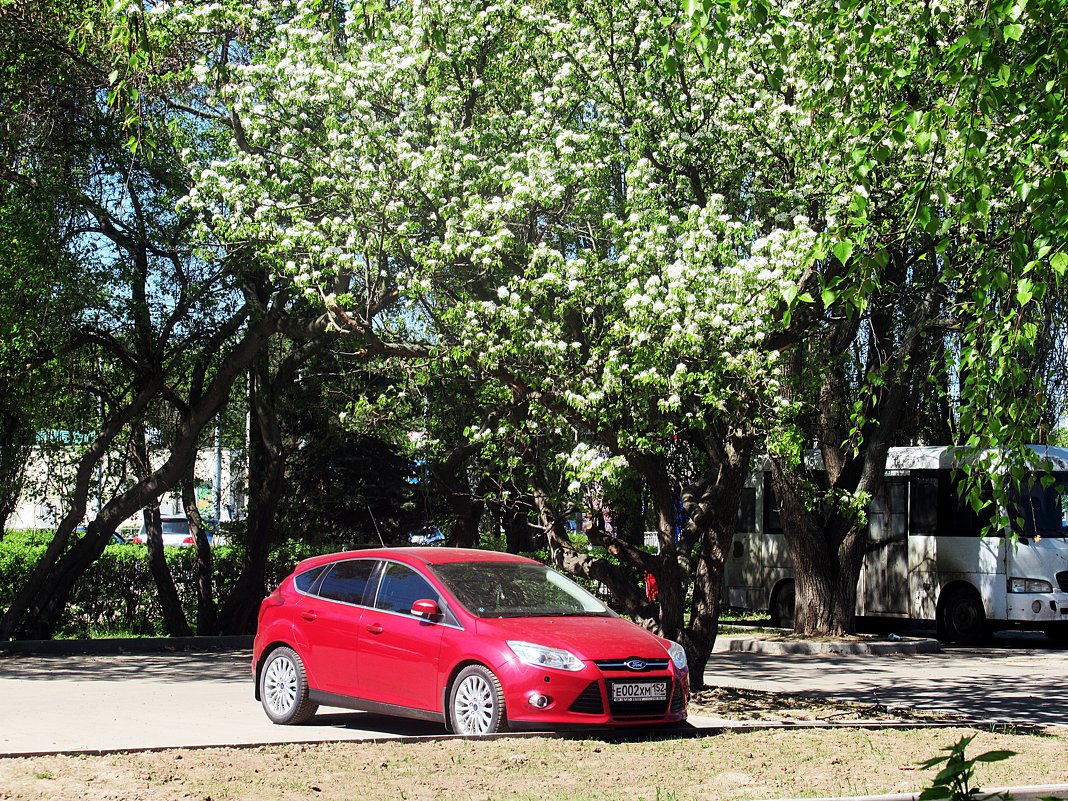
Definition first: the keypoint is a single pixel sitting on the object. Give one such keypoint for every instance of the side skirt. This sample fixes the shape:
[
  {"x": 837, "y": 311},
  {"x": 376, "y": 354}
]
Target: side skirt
[{"x": 348, "y": 702}]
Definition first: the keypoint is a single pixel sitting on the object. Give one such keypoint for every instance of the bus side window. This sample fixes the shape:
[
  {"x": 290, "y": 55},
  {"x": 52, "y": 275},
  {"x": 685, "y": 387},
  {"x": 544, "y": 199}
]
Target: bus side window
[
  {"x": 746, "y": 510},
  {"x": 772, "y": 523},
  {"x": 923, "y": 502},
  {"x": 956, "y": 518}
]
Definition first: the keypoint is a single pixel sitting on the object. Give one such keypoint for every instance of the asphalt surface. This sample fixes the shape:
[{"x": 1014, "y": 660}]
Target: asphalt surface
[
  {"x": 64, "y": 702},
  {"x": 1023, "y": 682}
]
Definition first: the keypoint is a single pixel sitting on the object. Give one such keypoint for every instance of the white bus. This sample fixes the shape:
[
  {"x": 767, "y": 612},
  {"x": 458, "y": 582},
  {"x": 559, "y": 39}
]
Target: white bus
[{"x": 926, "y": 558}]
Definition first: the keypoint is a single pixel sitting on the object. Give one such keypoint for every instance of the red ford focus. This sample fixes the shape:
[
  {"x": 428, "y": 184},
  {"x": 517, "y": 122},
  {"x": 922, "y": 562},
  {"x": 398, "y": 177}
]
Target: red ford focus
[{"x": 477, "y": 640}]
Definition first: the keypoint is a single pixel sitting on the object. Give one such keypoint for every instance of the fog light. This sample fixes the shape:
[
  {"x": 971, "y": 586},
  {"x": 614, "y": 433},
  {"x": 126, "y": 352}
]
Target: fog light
[
  {"x": 1036, "y": 607},
  {"x": 539, "y": 701}
]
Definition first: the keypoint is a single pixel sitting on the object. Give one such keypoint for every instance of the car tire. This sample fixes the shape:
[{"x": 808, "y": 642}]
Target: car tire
[
  {"x": 476, "y": 703},
  {"x": 284, "y": 689},
  {"x": 963, "y": 618},
  {"x": 782, "y": 606}
]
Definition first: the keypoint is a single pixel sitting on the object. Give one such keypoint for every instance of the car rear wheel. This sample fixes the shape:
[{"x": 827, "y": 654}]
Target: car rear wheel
[
  {"x": 284, "y": 689},
  {"x": 476, "y": 702}
]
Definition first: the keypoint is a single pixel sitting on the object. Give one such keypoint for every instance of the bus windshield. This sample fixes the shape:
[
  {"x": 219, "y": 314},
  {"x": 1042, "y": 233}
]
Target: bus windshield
[{"x": 1042, "y": 508}]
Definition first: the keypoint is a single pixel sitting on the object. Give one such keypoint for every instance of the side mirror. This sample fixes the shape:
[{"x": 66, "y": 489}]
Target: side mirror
[{"x": 426, "y": 609}]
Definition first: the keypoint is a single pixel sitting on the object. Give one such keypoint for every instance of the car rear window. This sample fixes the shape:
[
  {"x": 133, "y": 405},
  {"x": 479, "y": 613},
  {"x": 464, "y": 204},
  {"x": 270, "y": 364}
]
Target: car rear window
[{"x": 347, "y": 580}]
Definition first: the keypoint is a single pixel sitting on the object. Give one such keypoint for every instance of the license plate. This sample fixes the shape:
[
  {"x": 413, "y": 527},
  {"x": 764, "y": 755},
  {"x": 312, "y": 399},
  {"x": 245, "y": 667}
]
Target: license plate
[{"x": 639, "y": 691}]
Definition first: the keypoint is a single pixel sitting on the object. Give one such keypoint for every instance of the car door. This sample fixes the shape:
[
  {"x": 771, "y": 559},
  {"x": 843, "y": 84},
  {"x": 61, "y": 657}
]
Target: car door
[
  {"x": 399, "y": 652},
  {"x": 330, "y": 621}
]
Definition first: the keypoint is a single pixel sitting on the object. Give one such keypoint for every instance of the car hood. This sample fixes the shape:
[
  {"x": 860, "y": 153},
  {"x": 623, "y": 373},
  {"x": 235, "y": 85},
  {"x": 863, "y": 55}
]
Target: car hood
[{"x": 588, "y": 638}]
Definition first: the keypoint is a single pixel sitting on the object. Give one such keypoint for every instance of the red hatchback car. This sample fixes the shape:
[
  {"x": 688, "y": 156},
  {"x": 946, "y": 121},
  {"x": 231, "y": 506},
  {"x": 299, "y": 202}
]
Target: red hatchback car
[{"x": 478, "y": 640}]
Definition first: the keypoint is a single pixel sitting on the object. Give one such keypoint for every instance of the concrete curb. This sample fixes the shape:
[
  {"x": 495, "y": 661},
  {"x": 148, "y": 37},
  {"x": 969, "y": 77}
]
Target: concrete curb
[
  {"x": 764, "y": 644},
  {"x": 131, "y": 645},
  {"x": 904, "y": 645},
  {"x": 1032, "y": 792}
]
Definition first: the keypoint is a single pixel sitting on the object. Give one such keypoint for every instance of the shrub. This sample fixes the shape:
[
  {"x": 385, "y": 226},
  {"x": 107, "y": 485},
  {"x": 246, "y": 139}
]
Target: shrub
[{"x": 117, "y": 595}]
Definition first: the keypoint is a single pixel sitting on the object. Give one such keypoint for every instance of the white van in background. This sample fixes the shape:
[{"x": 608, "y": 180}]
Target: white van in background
[{"x": 926, "y": 558}]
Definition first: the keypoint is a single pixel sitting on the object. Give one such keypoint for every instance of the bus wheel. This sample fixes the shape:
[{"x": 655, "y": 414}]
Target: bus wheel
[
  {"x": 1058, "y": 633},
  {"x": 782, "y": 606},
  {"x": 963, "y": 618}
]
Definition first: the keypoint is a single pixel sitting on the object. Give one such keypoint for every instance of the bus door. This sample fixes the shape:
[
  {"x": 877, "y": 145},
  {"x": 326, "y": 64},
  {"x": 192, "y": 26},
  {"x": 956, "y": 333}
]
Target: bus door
[{"x": 886, "y": 575}]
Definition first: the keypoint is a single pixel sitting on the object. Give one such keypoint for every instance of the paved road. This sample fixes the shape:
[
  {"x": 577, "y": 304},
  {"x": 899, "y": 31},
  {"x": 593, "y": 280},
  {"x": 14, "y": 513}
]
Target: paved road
[
  {"x": 93, "y": 703},
  {"x": 1019, "y": 680},
  {"x": 132, "y": 701}
]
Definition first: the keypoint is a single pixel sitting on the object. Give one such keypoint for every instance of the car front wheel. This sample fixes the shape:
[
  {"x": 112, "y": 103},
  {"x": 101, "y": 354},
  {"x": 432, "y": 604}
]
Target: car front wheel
[
  {"x": 476, "y": 702},
  {"x": 284, "y": 689}
]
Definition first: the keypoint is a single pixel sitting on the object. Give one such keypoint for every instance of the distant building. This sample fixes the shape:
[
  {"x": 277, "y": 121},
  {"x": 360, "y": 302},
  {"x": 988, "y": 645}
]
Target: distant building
[{"x": 50, "y": 471}]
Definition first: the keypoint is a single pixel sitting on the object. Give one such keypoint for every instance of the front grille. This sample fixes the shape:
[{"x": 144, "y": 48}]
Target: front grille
[
  {"x": 1062, "y": 580},
  {"x": 589, "y": 701},
  {"x": 621, "y": 664}
]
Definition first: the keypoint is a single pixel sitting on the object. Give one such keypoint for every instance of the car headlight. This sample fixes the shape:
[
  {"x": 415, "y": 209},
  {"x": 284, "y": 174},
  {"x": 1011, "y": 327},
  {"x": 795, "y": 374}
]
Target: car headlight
[
  {"x": 541, "y": 656},
  {"x": 1029, "y": 585},
  {"x": 678, "y": 655}
]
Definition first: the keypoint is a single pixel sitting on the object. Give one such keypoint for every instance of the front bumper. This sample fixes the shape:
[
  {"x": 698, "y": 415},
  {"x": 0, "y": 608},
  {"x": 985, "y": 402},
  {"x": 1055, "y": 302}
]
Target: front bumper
[{"x": 543, "y": 699}]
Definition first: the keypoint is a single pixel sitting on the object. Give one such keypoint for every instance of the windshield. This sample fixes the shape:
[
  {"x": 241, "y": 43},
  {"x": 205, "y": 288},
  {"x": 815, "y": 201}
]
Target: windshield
[
  {"x": 1042, "y": 508},
  {"x": 510, "y": 589}
]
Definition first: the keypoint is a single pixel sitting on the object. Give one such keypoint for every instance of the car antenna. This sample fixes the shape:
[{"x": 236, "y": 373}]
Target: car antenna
[{"x": 379, "y": 533}]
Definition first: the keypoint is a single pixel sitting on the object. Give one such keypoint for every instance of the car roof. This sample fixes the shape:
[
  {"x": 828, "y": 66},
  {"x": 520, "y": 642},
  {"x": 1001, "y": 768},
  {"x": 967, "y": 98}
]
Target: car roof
[{"x": 418, "y": 555}]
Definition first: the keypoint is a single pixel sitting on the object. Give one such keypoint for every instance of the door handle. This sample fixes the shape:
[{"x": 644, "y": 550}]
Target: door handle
[
  {"x": 375, "y": 628},
  {"x": 310, "y": 614}
]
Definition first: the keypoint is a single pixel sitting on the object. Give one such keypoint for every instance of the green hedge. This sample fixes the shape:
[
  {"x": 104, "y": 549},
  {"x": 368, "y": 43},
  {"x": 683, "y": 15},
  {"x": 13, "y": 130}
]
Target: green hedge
[{"x": 117, "y": 596}]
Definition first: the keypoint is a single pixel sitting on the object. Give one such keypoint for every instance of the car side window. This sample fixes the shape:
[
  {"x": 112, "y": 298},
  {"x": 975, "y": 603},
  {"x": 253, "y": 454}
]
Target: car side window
[
  {"x": 347, "y": 580},
  {"x": 305, "y": 580},
  {"x": 401, "y": 587}
]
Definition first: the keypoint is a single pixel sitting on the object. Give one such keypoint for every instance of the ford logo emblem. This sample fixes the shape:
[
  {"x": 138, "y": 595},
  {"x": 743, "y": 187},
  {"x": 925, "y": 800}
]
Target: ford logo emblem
[{"x": 635, "y": 664}]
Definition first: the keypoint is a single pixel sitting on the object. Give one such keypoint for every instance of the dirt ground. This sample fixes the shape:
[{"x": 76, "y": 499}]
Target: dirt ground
[{"x": 797, "y": 760}]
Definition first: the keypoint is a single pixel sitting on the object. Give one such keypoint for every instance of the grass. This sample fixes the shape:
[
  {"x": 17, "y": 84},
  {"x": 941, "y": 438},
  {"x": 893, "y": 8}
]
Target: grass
[{"x": 737, "y": 765}]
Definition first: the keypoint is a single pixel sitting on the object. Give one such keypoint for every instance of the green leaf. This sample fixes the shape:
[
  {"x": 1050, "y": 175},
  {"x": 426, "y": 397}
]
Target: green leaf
[
  {"x": 1059, "y": 262},
  {"x": 1012, "y": 32},
  {"x": 1025, "y": 291},
  {"x": 843, "y": 250}
]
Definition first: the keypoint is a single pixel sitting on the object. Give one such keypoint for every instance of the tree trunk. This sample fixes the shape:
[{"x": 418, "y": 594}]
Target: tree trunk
[
  {"x": 518, "y": 533},
  {"x": 713, "y": 513},
  {"x": 712, "y": 506},
  {"x": 14, "y": 452},
  {"x": 207, "y": 614},
  {"x": 173, "y": 616},
  {"x": 24, "y": 615},
  {"x": 466, "y": 503},
  {"x": 38, "y": 607},
  {"x": 266, "y": 470}
]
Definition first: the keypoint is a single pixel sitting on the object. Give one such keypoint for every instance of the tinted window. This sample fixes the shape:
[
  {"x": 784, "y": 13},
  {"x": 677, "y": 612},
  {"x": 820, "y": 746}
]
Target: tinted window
[
  {"x": 923, "y": 503},
  {"x": 1041, "y": 508},
  {"x": 401, "y": 587},
  {"x": 347, "y": 580},
  {"x": 772, "y": 523},
  {"x": 305, "y": 580},
  {"x": 747, "y": 510},
  {"x": 936, "y": 494}
]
